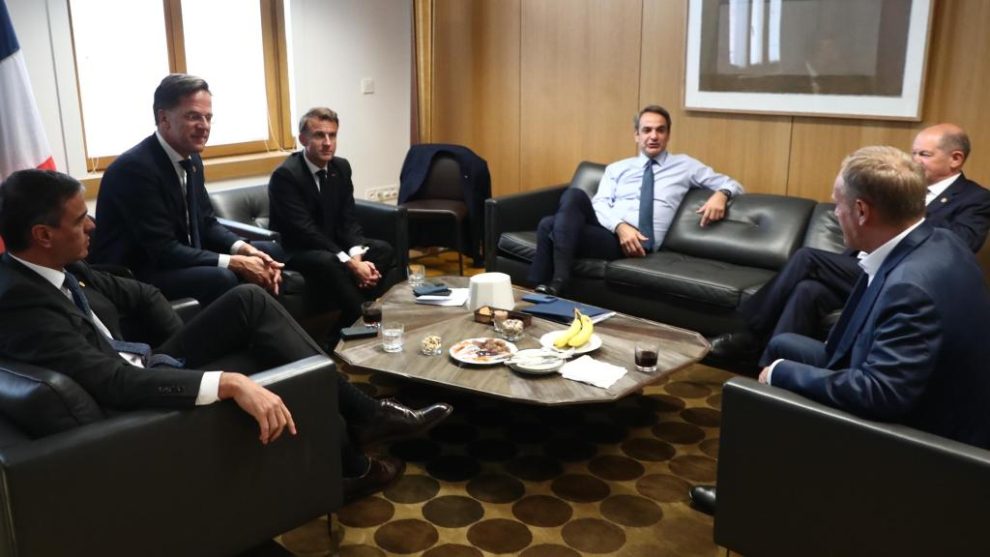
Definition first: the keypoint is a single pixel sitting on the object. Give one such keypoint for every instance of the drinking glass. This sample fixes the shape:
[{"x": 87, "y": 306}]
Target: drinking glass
[
  {"x": 647, "y": 354},
  {"x": 371, "y": 313},
  {"x": 416, "y": 274},
  {"x": 392, "y": 336}
]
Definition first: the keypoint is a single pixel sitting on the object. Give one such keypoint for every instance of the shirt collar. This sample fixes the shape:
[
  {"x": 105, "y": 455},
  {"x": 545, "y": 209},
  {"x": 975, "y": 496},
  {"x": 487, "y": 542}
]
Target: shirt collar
[
  {"x": 939, "y": 187},
  {"x": 313, "y": 169},
  {"x": 173, "y": 155},
  {"x": 872, "y": 261},
  {"x": 53, "y": 276},
  {"x": 661, "y": 158}
]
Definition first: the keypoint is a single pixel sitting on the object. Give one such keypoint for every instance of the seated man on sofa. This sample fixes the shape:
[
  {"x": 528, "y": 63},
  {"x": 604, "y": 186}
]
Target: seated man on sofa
[
  {"x": 632, "y": 209},
  {"x": 816, "y": 282},
  {"x": 913, "y": 342},
  {"x": 58, "y": 313}
]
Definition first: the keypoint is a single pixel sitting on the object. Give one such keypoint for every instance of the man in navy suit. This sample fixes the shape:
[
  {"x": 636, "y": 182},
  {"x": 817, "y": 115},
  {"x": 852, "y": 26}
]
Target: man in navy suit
[
  {"x": 815, "y": 282},
  {"x": 913, "y": 343},
  {"x": 154, "y": 213}
]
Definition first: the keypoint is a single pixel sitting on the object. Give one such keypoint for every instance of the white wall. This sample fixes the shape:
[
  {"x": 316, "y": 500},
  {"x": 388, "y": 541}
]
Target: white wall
[{"x": 333, "y": 44}]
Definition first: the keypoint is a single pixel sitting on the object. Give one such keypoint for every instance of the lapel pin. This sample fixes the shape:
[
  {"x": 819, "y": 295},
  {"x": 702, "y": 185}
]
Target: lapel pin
[{"x": 945, "y": 200}]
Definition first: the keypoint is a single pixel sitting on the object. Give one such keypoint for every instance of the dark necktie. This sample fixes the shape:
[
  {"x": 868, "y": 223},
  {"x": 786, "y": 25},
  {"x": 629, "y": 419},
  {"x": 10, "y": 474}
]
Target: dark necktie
[
  {"x": 148, "y": 359},
  {"x": 192, "y": 204},
  {"x": 326, "y": 197},
  {"x": 646, "y": 207}
]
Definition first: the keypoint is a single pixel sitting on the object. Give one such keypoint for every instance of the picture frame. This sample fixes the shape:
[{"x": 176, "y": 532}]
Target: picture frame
[{"x": 863, "y": 59}]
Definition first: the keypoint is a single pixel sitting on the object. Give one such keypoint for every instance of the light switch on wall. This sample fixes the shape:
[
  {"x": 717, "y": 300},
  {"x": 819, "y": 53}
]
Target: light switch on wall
[{"x": 368, "y": 86}]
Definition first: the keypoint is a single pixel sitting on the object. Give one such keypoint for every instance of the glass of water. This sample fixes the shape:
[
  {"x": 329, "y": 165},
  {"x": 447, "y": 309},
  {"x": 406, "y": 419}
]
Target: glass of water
[{"x": 392, "y": 336}]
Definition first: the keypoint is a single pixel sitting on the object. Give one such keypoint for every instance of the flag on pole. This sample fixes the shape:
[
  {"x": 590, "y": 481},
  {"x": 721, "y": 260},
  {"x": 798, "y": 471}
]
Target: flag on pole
[{"x": 22, "y": 136}]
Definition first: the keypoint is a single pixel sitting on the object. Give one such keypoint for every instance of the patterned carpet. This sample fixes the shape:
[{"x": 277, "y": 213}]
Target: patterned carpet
[{"x": 500, "y": 478}]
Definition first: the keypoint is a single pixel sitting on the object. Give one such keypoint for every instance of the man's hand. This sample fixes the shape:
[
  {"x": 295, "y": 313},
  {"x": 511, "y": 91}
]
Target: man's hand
[
  {"x": 714, "y": 209},
  {"x": 253, "y": 269},
  {"x": 263, "y": 405},
  {"x": 630, "y": 240},
  {"x": 365, "y": 272},
  {"x": 765, "y": 375},
  {"x": 274, "y": 267}
]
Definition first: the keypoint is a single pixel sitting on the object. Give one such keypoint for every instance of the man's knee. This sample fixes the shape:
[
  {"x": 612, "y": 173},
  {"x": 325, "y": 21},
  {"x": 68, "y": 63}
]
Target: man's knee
[
  {"x": 545, "y": 227},
  {"x": 572, "y": 196}
]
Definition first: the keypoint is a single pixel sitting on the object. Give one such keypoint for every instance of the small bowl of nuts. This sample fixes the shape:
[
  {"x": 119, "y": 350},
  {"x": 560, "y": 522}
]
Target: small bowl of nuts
[
  {"x": 507, "y": 327},
  {"x": 431, "y": 345}
]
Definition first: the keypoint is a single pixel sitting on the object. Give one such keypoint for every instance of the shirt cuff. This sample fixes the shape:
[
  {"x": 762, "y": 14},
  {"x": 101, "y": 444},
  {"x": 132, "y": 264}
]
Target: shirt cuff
[
  {"x": 236, "y": 248},
  {"x": 223, "y": 260},
  {"x": 344, "y": 257},
  {"x": 209, "y": 388},
  {"x": 770, "y": 371}
]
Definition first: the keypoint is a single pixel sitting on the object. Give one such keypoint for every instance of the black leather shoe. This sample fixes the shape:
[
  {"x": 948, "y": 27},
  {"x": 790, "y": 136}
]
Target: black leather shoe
[
  {"x": 394, "y": 421},
  {"x": 703, "y": 498},
  {"x": 736, "y": 346},
  {"x": 382, "y": 472},
  {"x": 555, "y": 288}
]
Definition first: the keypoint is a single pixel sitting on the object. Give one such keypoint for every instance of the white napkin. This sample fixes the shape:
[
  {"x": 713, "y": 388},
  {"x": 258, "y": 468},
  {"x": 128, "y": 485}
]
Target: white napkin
[{"x": 589, "y": 370}]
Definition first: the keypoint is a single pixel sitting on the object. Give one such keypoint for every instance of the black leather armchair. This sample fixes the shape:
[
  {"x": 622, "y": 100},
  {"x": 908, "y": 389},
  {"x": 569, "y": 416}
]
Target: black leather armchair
[
  {"x": 76, "y": 479},
  {"x": 799, "y": 478}
]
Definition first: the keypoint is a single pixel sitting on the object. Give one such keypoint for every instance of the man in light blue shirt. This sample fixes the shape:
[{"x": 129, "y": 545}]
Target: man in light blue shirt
[{"x": 615, "y": 224}]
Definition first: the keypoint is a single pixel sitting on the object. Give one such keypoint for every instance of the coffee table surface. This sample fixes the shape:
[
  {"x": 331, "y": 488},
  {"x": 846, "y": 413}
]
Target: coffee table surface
[{"x": 679, "y": 348}]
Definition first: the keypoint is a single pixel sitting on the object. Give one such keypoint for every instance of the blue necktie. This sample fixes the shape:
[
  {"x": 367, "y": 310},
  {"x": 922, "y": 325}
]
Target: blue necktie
[
  {"x": 646, "y": 207},
  {"x": 192, "y": 204},
  {"x": 148, "y": 359}
]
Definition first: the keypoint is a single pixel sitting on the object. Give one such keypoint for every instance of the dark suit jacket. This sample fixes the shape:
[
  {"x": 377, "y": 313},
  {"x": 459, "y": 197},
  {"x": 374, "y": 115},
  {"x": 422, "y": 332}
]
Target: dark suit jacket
[
  {"x": 297, "y": 211},
  {"x": 916, "y": 348},
  {"x": 141, "y": 215},
  {"x": 42, "y": 326},
  {"x": 964, "y": 208}
]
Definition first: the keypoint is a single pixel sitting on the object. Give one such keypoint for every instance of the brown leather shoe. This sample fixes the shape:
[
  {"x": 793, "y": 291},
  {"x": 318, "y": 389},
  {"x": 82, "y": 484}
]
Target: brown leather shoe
[
  {"x": 394, "y": 421},
  {"x": 382, "y": 472}
]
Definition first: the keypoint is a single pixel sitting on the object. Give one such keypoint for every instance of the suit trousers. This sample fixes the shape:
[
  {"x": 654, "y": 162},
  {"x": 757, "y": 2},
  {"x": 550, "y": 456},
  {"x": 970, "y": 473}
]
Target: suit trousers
[
  {"x": 797, "y": 348},
  {"x": 248, "y": 319},
  {"x": 205, "y": 284},
  {"x": 573, "y": 231},
  {"x": 811, "y": 285}
]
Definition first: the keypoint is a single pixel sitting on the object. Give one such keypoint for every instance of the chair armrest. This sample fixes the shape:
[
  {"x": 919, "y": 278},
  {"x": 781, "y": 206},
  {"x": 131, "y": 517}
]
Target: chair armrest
[
  {"x": 196, "y": 481},
  {"x": 187, "y": 308},
  {"x": 518, "y": 211},
  {"x": 799, "y": 478},
  {"x": 385, "y": 222},
  {"x": 249, "y": 231}
]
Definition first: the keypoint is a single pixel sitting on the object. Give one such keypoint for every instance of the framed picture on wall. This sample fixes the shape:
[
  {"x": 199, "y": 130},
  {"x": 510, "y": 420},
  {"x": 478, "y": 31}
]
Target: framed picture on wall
[{"x": 842, "y": 58}]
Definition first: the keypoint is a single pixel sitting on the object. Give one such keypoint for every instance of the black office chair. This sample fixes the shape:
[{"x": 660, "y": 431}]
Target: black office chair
[{"x": 440, "y": 198}]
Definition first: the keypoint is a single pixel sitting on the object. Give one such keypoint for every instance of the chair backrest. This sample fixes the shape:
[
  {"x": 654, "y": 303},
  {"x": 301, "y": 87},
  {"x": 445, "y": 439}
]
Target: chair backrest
[
  {"x": 587, "y": 177},
  {"x": 247, "y": 204},
  {"x": 823, "y": 229},
  {"x": 443, "y": 181}
]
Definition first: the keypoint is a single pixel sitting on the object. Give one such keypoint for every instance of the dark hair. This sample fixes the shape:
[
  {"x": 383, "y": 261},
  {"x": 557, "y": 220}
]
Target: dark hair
[
  {"x": 655, "y": 109},
  {"x": 32, "y": 197},
  {"x": 173, "y": 88},
  {"x": 321, "y": 113},
  {"x": 888, "y": 179}
]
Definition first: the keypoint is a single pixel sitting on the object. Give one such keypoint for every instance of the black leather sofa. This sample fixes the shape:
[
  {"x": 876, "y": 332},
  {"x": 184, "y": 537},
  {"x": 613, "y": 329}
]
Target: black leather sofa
[
  {"x": 699, "y": 276},
  {"x": 799, "y": 478},
  {"x": 76, "y": 479}
]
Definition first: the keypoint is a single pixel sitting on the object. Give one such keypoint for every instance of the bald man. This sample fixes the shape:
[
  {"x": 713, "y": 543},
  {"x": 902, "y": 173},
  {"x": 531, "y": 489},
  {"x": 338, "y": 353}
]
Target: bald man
[{"x": 815, "y": 283}]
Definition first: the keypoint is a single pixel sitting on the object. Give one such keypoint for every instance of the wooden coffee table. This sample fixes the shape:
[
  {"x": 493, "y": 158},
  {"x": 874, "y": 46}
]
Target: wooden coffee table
[{"x": 679, "y": 348}]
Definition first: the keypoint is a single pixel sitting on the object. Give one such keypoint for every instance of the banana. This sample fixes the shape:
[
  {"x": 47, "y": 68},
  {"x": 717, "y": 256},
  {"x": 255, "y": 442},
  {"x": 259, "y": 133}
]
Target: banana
[
  {"x": 563, "y": 338},
  {"x": 587, "y": 328}
]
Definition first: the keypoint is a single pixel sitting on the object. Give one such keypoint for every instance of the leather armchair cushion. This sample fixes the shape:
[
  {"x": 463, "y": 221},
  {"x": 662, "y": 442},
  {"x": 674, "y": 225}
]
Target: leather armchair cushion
[
  {"x": 823, "y": 229},
  {"x": 708, "y": 281},
  {"x": 248, "y": 204},
  {"x": 42, "y": 402},
  {"x": 760, "y": 230},
  {"x": 587, "y": 177},
  {"x": 522, "y": 245}
]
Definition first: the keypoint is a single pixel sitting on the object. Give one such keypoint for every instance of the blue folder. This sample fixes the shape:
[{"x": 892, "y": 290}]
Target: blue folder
[{"x": 563, "y": 310}]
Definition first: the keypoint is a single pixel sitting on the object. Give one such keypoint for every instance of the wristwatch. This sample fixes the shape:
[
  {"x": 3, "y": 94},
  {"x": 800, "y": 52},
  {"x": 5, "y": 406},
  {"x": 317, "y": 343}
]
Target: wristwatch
[{"x": 727, "y": 193}]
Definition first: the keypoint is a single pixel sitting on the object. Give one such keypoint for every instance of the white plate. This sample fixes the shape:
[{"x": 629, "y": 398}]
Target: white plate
[
  {"x": 594, "y": 343},
  {"x": 543, "y": 369},
  {"x": 471, "y": 351}
]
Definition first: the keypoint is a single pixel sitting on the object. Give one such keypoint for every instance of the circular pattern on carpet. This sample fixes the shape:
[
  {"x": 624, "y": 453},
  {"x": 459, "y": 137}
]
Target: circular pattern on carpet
[
  {"x": 415, "y": 450},
  {"x": 534, "y": 468},
  {"x": 360, "y": 551},
  {"x": 709, "y": 447},
  {"x": 499, "y": 535},
  {"x": 407, "y": 535},
  {"x": 549, "y": 550},
  {"x": 662, "y": 403},
  {"x": 309, "y": 538},
  {"x": 705, "y": 417},
  {"x": 633, "y": 416},
  {"x": 453, "y": 511},
  {"x": 604, "y": 433},
  {"x": 696, "y": 468},
  {"x": 686, "y": 389},
  {"x": 570, "y": 449},
  {"x": 679, "y": 432},
  {"x": 453, "y": 468},
  {"x": 580, "y": 488},
  {"x": 453, "y": 550},
  {"x": 715, "y": 401},
  {"x": 593, "y": 535},
  {"x": 616, "y": 468},
  {"x": 367, "y": 512},
  {"x": 542, "y": 510},
  {"x": 631, "y": 510},
  {"x": 663, "y": 488},
  {"x": 495, "y": 488},
  {"x": 642, "y": 448},
  {"x": 492, "y": 450},
  {"x": 413, "y": 488}
]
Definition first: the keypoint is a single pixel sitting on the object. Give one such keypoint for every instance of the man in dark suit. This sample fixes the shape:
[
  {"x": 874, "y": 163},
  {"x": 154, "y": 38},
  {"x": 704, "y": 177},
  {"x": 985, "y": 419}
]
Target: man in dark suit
[
  {"x": 913, "y": 342},
  {"x": 815, "y": 282},
  {"x": 156, "y": 218},
  {"x": 57, "y": 312},
  {"x": 311, "y": 203}
]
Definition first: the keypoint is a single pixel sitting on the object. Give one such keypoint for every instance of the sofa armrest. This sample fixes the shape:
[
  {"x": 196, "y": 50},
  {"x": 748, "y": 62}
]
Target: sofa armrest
[
  {"x": 518, "y": 211},
  {"x": 186, "y": 308},
  {"x": 799, "y": 478},
  {"x": 249, "y": 231},
  {"x": 196, "y": 481},
  {"x": 385, "y": 222}
]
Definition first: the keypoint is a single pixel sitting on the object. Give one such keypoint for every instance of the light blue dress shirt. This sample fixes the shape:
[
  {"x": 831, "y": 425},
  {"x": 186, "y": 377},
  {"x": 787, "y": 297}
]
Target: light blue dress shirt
[{"x": 617, "y": 199}]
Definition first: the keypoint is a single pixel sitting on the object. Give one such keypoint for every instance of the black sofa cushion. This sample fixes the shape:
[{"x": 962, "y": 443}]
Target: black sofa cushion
[
  {"x": 244, "y": 204},
  {"x": 522, "y": 245},
  {"x": 42, "y": 402},
  {"x": 823, "y": 229}
]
